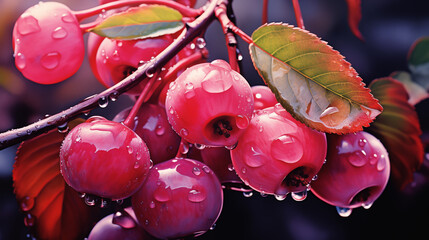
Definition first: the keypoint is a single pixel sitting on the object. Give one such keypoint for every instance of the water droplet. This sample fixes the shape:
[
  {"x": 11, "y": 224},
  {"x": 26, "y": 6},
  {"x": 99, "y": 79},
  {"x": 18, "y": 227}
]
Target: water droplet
[
  {"x": 103, "y": 102},
  {"x": 314, "y": 178},
  {"x": 27, "y": 203},
  {"x": 199, "y": 146},
  {"x": 381, "y": 164},
  {"x": 242, "y": 121},
  {"x": 114, "y": 96},
  {"x": 344, "y": 212},
  {"x": 244, "y": 170},
  {"x": 162, "y": 194},
  {"x": 213, "y": 227},
  {"x": 63, "y": 128},
  {"x": 196, "y": 196},
  {"x": 232, "y": 147},
  {"x": 27, "y": 25},
  {"x": 184, "y": 132},
  {"x": 189, "y": 92},
  {"x": 280, "y": 197},
  {"x": 29, "y": 220},
  {"x": 172, "y": 85},
  {"x": 159, "y": 130},
  {"x": 196, "y": 171},
  {"x": 152, "y": 204},
  {"x": 124, "y": 219},
  {"x": 373, "y": 158},
  {"x": 51, "y": 60},
  {"x": 357, "y": 158},
  {"x": 287, "y": 148},
  {"x": 239, "y": 57},
  {"x": 299, "y": 196},
  {"x": 255, "y": 156},
  {"x": 89, "y": 200},
  {"x": 367, "y": 205},
  {"x": 20, "y": 61},
  {"x": 136, "y": 165},
  {"x": 230, "y": 167},
  {"x": 115, "y": 55},
  {"x": 130, "y": 149},
  {"x": 59, "y": 33},
  {"x": 103, "y": 203},
  {"x": 216, "y": 81},
  {"x": 150, "y": 163},
  {"x": 362, "y": 142},
  {"x": 200, "y": 42},
  {"x": 248, "y": 194},
  {"x": 206, "y": 169},
  {"x": 191, "y": 46},
  {"x": 171, "y": 111},
  {"x": 68, "y": 18}
]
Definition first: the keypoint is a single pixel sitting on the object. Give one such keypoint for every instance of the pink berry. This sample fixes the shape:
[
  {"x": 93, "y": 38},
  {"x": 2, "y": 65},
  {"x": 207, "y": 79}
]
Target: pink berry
[
  {"x": 48, "y": 43},
  {"x": 180, "y": 197},
  {"x": 104, "y": 158},
  {"x": 263, "y": 97},
  {"x": 152, "y": 126},
  {"x": 277, "y": 154},
  {"x": 210, "y": 104},
  {"x": 356, "y": 171},
  {"x": 116, "y": 59},
  {"x": 120, "y": 225}
]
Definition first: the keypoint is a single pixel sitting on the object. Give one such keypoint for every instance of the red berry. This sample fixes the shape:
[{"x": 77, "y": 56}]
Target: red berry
[
  {"x": 263, "y": 97},
  {"x": 48, "y": 43},
  {"x": 152, "y": 126},
  {"x": 120, "y": 225},
  {"x": 356, "y": 171},
  {"x": 116, "y": 59},
  {"x": 277, "y": 154},
  {"x": 179, "y": 198},
  {"x": 104, "y": 158},
  {"x": 210, "y": 104}
]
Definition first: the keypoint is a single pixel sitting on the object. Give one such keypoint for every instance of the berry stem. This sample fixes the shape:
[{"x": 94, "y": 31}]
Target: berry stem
[
  {"x": 193, "y": 30},
  {"x": 298, "y": 15},
  {"x": 185, "y": 11},
  {"x": 265, "y": 12}
]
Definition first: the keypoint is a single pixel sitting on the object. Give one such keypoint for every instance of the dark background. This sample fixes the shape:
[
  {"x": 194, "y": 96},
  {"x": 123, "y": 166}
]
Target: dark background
[{"x": 389, "y": 28}]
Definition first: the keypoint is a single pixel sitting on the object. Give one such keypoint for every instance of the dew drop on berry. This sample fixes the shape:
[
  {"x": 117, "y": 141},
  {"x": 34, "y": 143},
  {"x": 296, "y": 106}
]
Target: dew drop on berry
[
  {"x": 89, "y": 200},
  {"x": 152, "y": 204},
  {"x": 51, "y": 60},
  {"x": 230, "y": 167},
  {"x": 381, "y": 164},
  {"x": 136, "y": 165},
  {"x": 287, "y": 148},
  {"x": 27, "y": 25},
  {"x": 189, "y": 91},
  {"x": 20, "y": 61},
  {"x": 115, "y": 55},
  {"x": 344, "y": 212},
  {"x": 280, "y": 197},
  {"x": 216, "y": 82},
  {"x": 242, "y": 121},
  {"x": 114, "y": 96},
  {"x": 200, "y": 42},
  {"x": 206, "y": 169},
  {"x": 199, "y": 146},
  {"x": 184, "y": 132},
  {"x": 254, "y": 156},
  {"x": 63, "y": 128},
  {"x": 124, "y": 219},
  {"x": 196, "y": 171},
  {"x": 373, "y": 159},
  {"x": 162, "y": 194},
  {"x": 27, "y": 203},
  {"x": 59, "y": 33},
  {"x": 357, "y": 158},
  {"x": 67, "y": 18},
  {"x": 248, "y": 194},
  {"x": 172, "y": 85},
  {"x": 29, "y": 220},
  {"x": 159, "y": 130},
  {"x": 103, "y": 102},
  {"x": 196, "y": 196},
  {"x": 362, "y": 142},
  {"x": 367, "y": 205},
  {"x": 299, "y": 196}
]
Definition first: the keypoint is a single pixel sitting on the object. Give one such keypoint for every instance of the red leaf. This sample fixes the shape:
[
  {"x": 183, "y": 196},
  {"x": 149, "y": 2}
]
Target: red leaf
[
  {"x": 355, "y": 14},
  {"x": 52, "y": 209},
  {"x": 398, "y": 128}
]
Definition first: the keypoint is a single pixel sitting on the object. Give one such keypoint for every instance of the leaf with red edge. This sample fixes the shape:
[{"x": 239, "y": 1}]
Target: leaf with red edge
[
  {"x": 52, "y": 209},
  {"x": 311, "y": 80},
  {"x": 355, "y": 15},
  {"x": 398, "y": 128}
]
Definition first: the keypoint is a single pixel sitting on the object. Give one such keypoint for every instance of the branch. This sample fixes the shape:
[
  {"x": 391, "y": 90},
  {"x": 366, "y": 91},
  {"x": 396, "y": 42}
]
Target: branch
[{"x": 192, "y": 30}]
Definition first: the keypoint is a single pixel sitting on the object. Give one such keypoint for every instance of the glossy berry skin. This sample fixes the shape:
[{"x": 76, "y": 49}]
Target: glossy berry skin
[
  {"x": 180, "y": 197},
  {"x": 104, "y": 158},
  {"x": 219, "y": 160},
  {"x": 356, "y": 171},
  {"x": 190, "y": 3},
  {"x": 209, "y": 104},
  {"x": 277, "y": 154},
  {"x": 48, "y": 43},
  {"x": 263, "y": 97},
  {"x": 116, "y": 59},
  {"x": 119, "y": 225},
  {"x": 152, "y": 126}
]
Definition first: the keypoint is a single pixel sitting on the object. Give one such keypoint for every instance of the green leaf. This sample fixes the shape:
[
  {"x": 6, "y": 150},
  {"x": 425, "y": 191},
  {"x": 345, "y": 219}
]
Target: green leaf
[
  {"x": 398, "y": 128},
  {"x": 418, "y": 62},
  {"x": 140, "y": 22},
  {"x": 311, "y": 80}
]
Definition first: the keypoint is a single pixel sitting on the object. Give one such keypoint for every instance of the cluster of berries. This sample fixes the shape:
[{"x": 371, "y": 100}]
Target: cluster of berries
[{"x": 210, "y": 131}]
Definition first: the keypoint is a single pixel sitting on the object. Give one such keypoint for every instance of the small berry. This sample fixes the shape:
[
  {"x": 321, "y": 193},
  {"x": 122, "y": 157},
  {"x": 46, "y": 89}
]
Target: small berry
[
  {"x": 180, "y": 198},
  {"x": 277, "y": 154},
  {"x": 152, "y": 126},
  {"x": 48, "y": 43},
  {"x": 356, "y": 171},
  {"x": 210, "y": 104},
  {"x": 104, "y": 158}
]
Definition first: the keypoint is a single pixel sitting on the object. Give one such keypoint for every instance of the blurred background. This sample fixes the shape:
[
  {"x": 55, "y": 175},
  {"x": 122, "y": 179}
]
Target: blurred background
[{"x": 389, "y": 28}]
